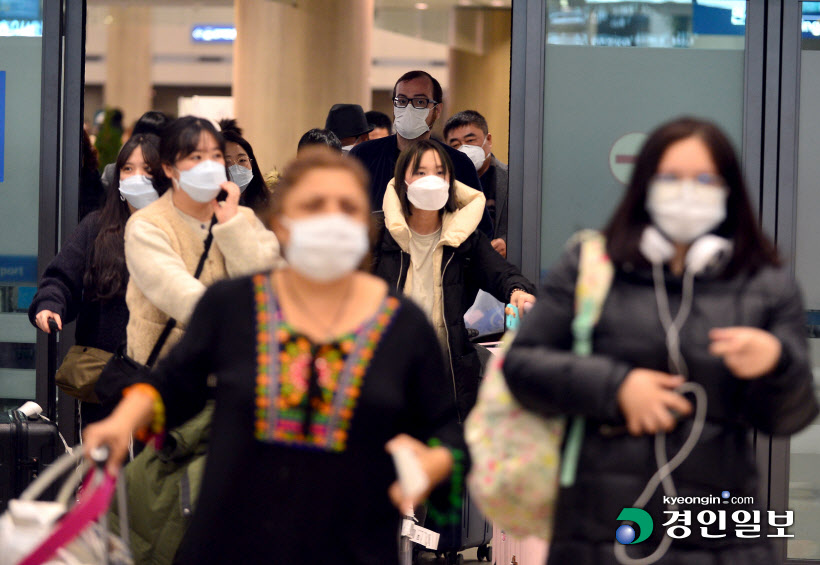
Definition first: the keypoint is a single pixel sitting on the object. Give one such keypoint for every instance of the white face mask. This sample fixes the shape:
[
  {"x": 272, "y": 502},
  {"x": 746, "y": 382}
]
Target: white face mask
[
  {"x": 203, "y": 182},
  {"x": 475, "y": 153},
  {"x": 242, "y": 176},
  {"x": 429, "y": 193},
  {"x": 138, "y": 190},
  {"x": 325, "y": 247},
  {"x": 346, "y": 148},
  {"x": 410, "y": 122},
  {"x": 684, "y": 210}
]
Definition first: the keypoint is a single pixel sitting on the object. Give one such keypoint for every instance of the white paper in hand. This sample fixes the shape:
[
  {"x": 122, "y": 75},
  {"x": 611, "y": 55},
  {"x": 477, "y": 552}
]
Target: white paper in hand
[{"x": 412, "y": 478}]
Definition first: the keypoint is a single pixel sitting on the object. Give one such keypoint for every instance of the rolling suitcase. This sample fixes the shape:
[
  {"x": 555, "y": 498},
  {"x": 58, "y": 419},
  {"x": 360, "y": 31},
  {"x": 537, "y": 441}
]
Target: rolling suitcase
[
  {"x": 28, "y": 444},
  {"x": 475, "y": 531}
]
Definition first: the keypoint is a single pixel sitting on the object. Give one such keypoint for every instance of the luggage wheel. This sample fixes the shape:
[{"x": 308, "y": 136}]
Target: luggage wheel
[{"x": 485, "y": 553}]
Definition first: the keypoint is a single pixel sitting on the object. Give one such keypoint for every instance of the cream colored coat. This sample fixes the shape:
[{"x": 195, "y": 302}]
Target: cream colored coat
[
  {"x": 162, "y": 251},
  {"x": 456, "y": 227}
]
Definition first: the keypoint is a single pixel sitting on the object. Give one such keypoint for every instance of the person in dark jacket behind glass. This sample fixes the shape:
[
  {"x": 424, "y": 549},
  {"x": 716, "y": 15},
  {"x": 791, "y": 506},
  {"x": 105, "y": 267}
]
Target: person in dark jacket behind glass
[
  {"x": 692, "y": 270},
  {"x": 430, "y": 248},
  {"x": 86, "y": 281},
  {"x": 91, "y": 189}
]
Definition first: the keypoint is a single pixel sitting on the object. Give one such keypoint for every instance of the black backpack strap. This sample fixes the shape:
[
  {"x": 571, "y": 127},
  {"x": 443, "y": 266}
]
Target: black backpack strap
[{"x": 163, "y": 337}]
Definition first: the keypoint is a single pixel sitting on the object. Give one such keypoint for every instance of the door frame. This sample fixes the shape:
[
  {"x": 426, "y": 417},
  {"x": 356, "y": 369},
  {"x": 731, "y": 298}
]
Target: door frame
[{"x": 62, "y": 85}]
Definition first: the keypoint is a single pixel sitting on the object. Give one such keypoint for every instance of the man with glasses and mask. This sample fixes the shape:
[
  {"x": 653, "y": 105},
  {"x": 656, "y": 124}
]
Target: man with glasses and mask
[{"x": 416, "y": 107}]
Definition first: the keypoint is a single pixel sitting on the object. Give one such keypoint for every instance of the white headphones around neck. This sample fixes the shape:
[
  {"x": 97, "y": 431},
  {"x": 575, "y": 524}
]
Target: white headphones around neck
[{"x": 708, "y": 252}]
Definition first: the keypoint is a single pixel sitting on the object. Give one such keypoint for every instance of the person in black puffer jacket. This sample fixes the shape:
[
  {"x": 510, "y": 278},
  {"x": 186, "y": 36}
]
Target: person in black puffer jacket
[
  {"x": 86, "y": 281},
  {"x": 743, "y": 341},
  {"x": 433, "y": 252}
]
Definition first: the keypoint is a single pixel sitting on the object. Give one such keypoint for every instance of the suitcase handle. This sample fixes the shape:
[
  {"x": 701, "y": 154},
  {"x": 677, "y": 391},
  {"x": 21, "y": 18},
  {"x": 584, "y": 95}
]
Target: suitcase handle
[{"x": 51, "y": 394}]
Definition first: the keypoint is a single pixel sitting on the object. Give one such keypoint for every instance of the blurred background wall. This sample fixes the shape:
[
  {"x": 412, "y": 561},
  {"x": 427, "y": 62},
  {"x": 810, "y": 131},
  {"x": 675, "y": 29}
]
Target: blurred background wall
[{"x": 278, "y": 67}]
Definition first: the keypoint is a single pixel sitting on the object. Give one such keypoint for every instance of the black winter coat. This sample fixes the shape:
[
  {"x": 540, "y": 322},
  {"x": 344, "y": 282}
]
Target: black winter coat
[
  {"x": 99, "y": 324},
  {"x": 547, "y": 378},
  {"x": 472, "y": 266}
]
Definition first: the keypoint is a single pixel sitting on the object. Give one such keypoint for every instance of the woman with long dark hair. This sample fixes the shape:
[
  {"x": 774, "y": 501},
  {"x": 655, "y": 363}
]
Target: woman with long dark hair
[
  {"x": 430, "y": 249},
  {"x": 243, "y": 169},
  {"x": 700, "y": 340},
  {"x": 87, "y": 279}
]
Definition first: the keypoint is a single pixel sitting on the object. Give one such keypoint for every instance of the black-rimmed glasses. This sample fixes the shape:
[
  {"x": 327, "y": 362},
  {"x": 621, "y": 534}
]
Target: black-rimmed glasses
[{"x": 418, "y": 103}]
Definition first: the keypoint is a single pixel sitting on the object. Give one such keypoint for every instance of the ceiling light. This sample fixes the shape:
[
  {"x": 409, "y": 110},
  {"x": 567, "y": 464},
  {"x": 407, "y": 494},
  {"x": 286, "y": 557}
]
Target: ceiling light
[{"x": 421, "y": 5}]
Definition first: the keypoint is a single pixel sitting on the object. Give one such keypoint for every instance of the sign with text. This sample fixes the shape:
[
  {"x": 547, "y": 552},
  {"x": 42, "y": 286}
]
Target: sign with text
[{"x": 18, "y": 269}]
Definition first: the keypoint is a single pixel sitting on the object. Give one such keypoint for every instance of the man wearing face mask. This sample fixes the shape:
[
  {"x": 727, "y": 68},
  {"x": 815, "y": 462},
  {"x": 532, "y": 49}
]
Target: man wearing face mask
[
  {"x": 349, "y": 124},
  {"x": 417, "y": 98},
  {"x": 468, "y": 132}
]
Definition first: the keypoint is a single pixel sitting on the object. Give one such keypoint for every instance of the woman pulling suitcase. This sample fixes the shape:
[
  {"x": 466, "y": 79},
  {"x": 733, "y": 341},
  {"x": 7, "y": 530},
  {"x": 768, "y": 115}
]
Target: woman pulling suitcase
[{"x": 87, "y": 279}]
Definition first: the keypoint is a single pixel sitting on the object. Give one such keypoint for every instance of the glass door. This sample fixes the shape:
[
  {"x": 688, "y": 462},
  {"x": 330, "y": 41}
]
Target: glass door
[
  {"x": 21, "y": 25},
  {"x": 612, "y": 72},
  {"x": 41, "y": 84}
]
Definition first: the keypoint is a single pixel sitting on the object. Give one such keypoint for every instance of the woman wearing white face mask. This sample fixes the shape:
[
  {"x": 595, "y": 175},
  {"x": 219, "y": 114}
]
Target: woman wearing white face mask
[
  {"x": 699, "y": 303},
  {"x": 320, "y": 372},
  {"x": 87, "y": 279},
  {"x": 164, "y": 242},
  {"x": 429, "y": 249},
  {"x": 243, "y": 168}
]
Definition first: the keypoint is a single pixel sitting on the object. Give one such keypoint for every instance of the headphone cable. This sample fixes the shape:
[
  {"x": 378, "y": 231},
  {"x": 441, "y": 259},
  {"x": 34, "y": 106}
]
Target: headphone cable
[{"x": 663, "y": 476}]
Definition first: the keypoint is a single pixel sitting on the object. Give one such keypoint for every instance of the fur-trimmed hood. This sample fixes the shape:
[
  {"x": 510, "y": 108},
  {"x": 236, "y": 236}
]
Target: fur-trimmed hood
[{"x": 456, "y": 226}]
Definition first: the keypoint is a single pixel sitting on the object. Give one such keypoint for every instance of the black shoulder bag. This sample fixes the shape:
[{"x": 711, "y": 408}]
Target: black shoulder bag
[{"x": 121, "y": 371}]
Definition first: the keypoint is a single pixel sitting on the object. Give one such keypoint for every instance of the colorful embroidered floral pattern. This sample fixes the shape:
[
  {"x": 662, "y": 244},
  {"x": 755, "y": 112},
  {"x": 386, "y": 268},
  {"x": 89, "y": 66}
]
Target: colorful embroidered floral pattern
[{"x": 288, "y": 409}]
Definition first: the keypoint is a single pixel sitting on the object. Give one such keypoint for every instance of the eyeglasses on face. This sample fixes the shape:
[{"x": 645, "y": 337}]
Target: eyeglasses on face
[{"x": 418, "y": 103}]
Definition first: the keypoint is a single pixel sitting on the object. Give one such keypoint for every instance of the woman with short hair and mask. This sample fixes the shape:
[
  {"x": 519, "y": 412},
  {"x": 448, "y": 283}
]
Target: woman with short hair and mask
[
  {"x": 87, "y": 279},
  {"x": 700, "y": 340},
  {"x": 429, "y": 248},
  {"x": 243, "y": 169},
  {"x": 320, "y": 372}
]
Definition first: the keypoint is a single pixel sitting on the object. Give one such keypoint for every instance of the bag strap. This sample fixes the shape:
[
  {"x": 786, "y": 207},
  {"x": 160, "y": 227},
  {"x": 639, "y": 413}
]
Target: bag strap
[
  {"x": 166, "y": 331},
  {"x": 595, "y": 274}
]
